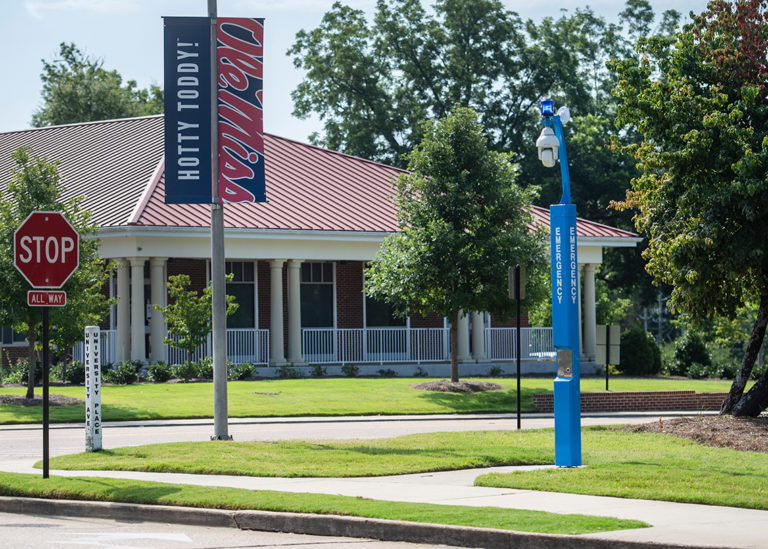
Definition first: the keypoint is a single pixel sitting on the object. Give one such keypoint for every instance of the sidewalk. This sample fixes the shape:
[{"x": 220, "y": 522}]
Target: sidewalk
[{"x": 673, "y": 524}]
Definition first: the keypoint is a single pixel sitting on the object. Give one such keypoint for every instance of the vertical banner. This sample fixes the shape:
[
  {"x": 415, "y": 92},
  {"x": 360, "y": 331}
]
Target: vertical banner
[
  {"x": 240, "y": 51},
  {"x": 565, "y": 276},
  {"x": 187, "y": 110},
  {"x": 92, "y": 389}
]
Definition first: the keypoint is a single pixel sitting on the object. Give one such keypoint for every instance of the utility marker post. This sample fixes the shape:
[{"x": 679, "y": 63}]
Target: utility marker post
[{"x": 92, "y": 351}]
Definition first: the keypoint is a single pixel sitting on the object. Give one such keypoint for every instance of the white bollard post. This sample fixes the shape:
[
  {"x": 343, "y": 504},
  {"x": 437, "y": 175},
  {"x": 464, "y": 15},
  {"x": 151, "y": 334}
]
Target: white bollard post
[{"x": 92, "y": 388}]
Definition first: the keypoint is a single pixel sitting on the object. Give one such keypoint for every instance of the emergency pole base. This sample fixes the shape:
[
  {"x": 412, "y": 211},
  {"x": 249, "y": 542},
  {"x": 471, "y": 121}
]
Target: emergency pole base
[
  {"x": 567, "y": 422},
  {"x": 222, "y": 437}
]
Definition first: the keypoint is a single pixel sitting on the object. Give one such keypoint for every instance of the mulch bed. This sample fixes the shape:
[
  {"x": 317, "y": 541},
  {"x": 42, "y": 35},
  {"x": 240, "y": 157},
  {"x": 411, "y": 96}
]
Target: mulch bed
[
  {"x": 53, "y": 400},
  {"x": 447, "y": 386},
  {"x": 738, "y": 433}
]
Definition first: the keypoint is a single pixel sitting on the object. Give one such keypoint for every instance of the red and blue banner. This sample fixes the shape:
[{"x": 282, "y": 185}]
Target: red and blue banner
[{"x": 188, "y": 158}]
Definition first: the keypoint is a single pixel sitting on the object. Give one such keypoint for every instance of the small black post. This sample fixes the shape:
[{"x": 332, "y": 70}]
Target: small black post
[
  {"x": 517, "y": 342},
  {"x": 46, "y": 369},
  {"x": 607, "y": 352}
]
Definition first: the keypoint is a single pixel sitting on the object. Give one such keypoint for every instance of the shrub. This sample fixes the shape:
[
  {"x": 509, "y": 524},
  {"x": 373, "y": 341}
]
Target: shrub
[
  {"x": 689, "y": 350},
  {"x": 420, "y": 372},
  {"x": 495, "y": 371},
  {"x": 758, "y": 370},
  {"x": 241, "y": 371},
  {"x": 159, "y": 372},
  {"x": 388, "y": 372},
  {"x": 318, "y": 370},
  {"x": 73, "y": 373},
  {"x": 125, "y": 373},
  {"x": 19, "y": 372},
  {"x": 205, "y": 368},
  {"x": 350, "y": 370},
  {"x": 186, "y": 370},
  {"x": 288, "y": 372},
  {"x": 639, "y": 353}
]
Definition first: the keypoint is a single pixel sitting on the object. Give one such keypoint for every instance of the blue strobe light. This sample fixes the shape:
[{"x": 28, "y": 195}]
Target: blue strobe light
[{"x": 547, "y": 108}]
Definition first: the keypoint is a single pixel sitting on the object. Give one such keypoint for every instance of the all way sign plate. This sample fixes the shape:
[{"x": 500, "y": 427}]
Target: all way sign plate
[{"x": 41, "y": 298}]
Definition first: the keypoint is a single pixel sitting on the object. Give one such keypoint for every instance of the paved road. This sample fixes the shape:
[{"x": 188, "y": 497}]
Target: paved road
[{"x": 37, "y": 532}]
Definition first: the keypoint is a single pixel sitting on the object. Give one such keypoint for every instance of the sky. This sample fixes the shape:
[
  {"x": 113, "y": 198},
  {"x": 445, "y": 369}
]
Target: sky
[{"x": 128, "y": 36}]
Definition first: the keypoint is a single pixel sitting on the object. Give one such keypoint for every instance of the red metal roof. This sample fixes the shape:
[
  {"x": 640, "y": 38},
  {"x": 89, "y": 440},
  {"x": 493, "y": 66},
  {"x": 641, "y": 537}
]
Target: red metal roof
[{"x": 117, "y": 166}]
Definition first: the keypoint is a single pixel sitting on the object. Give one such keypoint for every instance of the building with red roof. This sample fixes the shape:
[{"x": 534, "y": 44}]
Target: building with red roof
[{"x": 297, "y": 259}]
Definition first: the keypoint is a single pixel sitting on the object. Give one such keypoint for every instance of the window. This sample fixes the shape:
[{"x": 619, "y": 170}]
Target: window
[
  {"x": 317, "y": 295},
  {"x": 243, "y": 288}
]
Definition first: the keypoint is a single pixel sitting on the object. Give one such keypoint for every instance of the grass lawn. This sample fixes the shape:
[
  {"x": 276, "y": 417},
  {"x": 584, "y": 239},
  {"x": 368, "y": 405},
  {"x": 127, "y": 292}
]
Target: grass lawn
[
  {"x": 317, "y": 397},
  {"x": 646, "y": 466},
  {"x": 105, "y": 489}
]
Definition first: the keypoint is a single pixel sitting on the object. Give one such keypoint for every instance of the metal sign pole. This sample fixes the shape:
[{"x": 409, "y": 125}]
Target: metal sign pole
[
  {"x": 607, "y": 352},
  {"x": 218, "y": 283},
  {"x": 46, "y": 368},
  {"x": 517, "y": 342}
]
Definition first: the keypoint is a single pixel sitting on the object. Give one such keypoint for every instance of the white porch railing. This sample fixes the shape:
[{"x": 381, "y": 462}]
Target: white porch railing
[
  {"x": 108, "y": 343},
  {"x": 244, "y": 345},
  {"x": 374, "y": 345},
  {"x": 535, "y": 344},
  {"x": 357, "y": 345},
  {"x": 380, "y": 345}
]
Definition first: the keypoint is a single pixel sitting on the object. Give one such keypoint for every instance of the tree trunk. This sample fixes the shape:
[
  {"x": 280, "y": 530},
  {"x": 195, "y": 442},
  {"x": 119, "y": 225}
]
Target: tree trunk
[
  {"x": 755, "y": 401},
  {"x": 454, "y": 333},
  {"x": 32, "y": 359},
  {"x": 742, "y": 376}
]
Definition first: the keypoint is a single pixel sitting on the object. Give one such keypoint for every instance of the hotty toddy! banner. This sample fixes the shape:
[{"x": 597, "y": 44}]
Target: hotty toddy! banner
[{"x": 188, "y": 159}]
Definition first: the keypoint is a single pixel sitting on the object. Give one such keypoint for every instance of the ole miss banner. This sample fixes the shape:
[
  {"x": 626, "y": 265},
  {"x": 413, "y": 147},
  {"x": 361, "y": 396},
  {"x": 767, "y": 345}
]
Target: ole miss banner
[{"x": 187, "y": 110}]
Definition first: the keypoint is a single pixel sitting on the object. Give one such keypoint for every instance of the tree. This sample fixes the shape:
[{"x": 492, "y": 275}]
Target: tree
[
  {"x": 35, "y": 186},
  {"x": 189, "y": 314},
  {"x": 462, "y": 223},
  {"x": 77, "y": 88},
  {"x": 699, "y": 103}
]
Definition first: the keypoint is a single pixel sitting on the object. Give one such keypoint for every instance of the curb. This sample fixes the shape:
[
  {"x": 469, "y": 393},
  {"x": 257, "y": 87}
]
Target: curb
[{"x": 319, "y": 525}]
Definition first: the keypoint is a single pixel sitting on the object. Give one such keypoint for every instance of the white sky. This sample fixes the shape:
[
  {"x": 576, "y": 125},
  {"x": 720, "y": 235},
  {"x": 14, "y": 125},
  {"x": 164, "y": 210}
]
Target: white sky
[{"x": 128, "y": 34}]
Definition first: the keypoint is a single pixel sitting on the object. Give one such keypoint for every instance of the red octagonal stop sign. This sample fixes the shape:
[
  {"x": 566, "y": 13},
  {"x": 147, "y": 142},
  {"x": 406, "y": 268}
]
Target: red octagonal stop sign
[{"x": 46, "y": 249}]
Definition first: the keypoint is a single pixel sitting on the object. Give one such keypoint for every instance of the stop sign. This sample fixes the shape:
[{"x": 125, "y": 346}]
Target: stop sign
[{"x": 46, "y": 249}]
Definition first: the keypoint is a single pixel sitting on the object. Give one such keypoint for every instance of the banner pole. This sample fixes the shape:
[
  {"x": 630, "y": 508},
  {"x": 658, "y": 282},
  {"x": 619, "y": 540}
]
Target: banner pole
[{"x": 219, "y": 317}]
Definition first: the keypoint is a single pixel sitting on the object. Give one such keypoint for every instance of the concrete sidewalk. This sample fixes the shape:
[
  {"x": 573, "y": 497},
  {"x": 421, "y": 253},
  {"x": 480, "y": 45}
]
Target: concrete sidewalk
[{"x": 672, "y": 524}]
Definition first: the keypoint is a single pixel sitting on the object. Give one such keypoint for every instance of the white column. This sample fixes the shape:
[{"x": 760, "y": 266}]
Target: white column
[
  {"x": 138, "y": 310},
  {"x": 462, "y": 333},
  {"x": 294, "y": 312},
  {"x": 590, "y": 312},
  {"x": 478, "y": 336},
  {"x": 157, "y": 322},
  {"x": 276, "y": 345},
  {"x": 123, "y": 311}
]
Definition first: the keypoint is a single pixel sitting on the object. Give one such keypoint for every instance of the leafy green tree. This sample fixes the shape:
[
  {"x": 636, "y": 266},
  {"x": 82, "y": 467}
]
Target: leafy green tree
[
  {"x": 701, "y": 199},
  {"x": 77, "y": 88},
  {"x": 188, "y": 314},
  {"x": 462, "y": 223},
  {"x": 35, "y": 185}
]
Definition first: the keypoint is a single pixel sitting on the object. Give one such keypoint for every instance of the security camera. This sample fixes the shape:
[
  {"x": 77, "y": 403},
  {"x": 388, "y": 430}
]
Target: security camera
[{"x": 548, "y": 144}]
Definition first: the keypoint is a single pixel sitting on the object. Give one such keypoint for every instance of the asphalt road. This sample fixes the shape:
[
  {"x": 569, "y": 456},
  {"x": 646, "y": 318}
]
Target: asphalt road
[{"x": 37, "y": 531}]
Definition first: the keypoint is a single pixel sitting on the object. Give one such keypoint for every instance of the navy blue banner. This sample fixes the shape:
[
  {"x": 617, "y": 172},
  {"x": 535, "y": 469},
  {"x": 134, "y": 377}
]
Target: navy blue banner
[
  {"x": 187, "y": 110},
  {"x": 565, "y": 277}
]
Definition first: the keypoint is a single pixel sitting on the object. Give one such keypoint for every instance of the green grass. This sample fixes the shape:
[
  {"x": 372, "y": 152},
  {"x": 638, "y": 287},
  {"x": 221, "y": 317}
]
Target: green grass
[
  {"x": 631, "y": 465},
  {"x": 317, "y": 397},
  {"x": 652, "y": 466},
  {"x": 346, "y": 458},
  {"x": 105, "y": 489}
]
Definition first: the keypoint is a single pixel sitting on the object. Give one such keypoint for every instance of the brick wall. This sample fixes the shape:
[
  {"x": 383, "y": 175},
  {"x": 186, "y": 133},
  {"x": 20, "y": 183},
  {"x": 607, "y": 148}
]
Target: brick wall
[
  {"x": 194, "y": 268},
  {"x": 638, "y": 401},
  {"x": 349, "y": 294}
]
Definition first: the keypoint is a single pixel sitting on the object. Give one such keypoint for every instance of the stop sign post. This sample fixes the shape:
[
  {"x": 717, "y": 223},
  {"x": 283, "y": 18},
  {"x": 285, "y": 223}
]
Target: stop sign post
[{"x": 46, "y": 251}]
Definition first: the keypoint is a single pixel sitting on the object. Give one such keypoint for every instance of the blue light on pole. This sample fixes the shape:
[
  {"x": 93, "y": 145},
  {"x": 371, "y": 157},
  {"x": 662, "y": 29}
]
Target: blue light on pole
[{"x": 565, "y": 292}]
